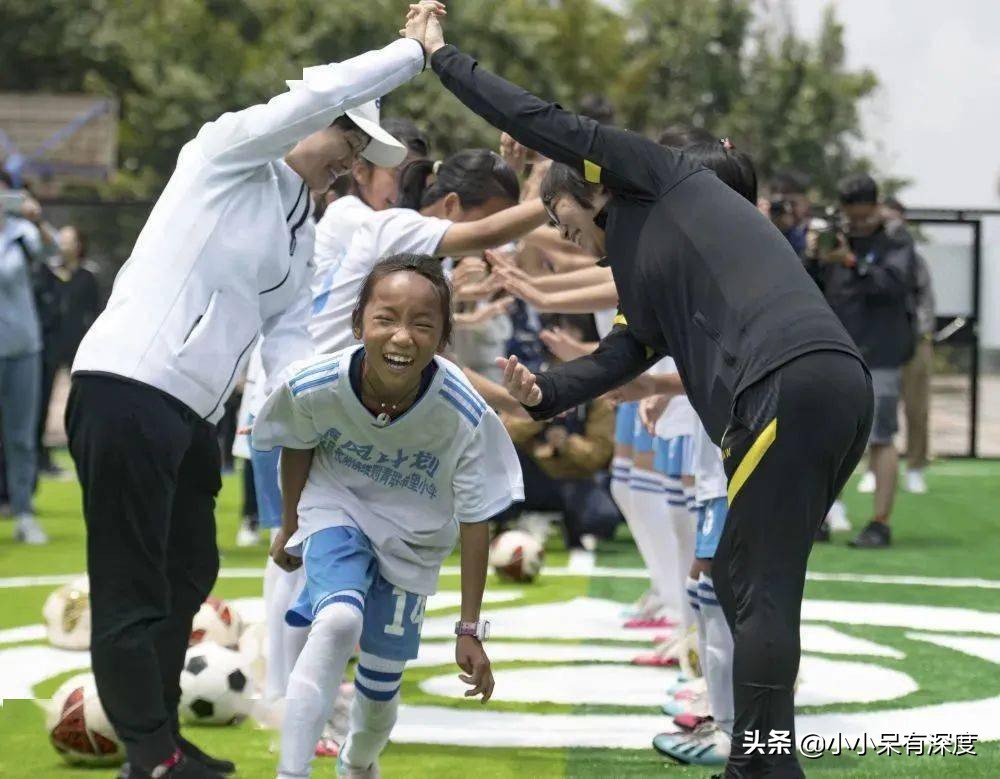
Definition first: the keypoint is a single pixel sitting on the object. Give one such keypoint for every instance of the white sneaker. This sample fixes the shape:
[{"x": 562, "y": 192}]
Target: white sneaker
[
  {"x": 707, "y": 745},
  {"x": 28, "y": 531},
  {"x": 837, "y": 519},
  {"x": 581, "y": 561},
  {"x": 915, "y": 482},
  {"x": 589, "y": 542},
  {"x": 247, "y": 535},
  {"x": 867, "y": 484}
]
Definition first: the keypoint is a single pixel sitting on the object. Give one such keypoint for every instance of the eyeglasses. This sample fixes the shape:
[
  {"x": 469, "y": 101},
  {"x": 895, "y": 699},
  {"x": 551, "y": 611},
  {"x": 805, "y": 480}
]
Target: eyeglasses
[{"x": 551, "y": 212}]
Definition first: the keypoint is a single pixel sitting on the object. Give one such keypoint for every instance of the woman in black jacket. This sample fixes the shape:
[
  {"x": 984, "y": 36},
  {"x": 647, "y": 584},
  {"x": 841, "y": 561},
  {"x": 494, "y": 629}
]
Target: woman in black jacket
[{"x": 703, "y": 277}]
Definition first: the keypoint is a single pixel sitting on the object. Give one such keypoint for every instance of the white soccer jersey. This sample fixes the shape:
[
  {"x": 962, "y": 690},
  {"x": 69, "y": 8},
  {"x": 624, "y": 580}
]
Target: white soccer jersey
[
  {"x": 678, "y": 418},
  {"x": 334, "y": 232},
  {"x": 383, "y": 234},
  {"x": 709, "y": 474},
  {"x": 406, "y": 486}
]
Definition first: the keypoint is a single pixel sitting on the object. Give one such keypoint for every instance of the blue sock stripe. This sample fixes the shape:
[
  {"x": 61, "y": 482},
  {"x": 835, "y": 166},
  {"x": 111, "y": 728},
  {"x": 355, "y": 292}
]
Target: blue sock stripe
[
  {"x": 703, "y": 585},
  {"x": 673, "y": 491},
  {"x": 642, "y": 488},
  {"x": 380, "y": 676},
  {"x": 375, "y": 695},
  {"x": 341, "y": 597},
  {"x": 708, "y": 601},
  {"x": 676, "y": 503}
]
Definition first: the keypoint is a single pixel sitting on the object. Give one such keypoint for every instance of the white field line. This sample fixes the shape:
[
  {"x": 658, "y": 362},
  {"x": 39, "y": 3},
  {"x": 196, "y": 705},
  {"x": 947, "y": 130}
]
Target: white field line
[{"x": 14, "y": 582}]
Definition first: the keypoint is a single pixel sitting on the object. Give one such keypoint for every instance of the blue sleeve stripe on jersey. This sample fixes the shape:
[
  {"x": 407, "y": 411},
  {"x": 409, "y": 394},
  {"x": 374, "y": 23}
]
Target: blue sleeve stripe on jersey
[
  {"x": 319, "y": 302},
  {"x": 375, "y": 695},
  {"x": 380, "y": 676},
  {"x": 454, "y": 384},
  {"x": 460, "y": 405},
  {"x": 326, "y": 365},
  {"x": 298, "y": 389}
]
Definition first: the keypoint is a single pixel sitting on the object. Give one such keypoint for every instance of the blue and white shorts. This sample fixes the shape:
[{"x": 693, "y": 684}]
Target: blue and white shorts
[
  {"x": 625, "y": 417},
  {"x": 265, "y": 484},
  {"x": 642, "y": 440},
  {"x": 673, "y": 456},
  {"x": 711, "y": 522},
  {"x": 338, "y": 559}
]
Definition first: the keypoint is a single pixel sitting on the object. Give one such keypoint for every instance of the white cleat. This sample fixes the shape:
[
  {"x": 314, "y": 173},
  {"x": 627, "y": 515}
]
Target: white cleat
[
  {"x": 29, "y": 532},
  {"x": 707, "y": 745},
  {"x": 581, "y": 561},
  {"x": 915, "y": 482},
  {"x": 837, "y": 519},
  {"x": 867, "y": 484},
  {"x": 247, "y": 535}
]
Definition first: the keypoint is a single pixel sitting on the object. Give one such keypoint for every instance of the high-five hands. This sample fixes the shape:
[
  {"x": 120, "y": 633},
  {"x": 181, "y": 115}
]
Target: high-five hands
[
  {"x": 423, "y": 24},
  {"x": 519, "y": 382}
]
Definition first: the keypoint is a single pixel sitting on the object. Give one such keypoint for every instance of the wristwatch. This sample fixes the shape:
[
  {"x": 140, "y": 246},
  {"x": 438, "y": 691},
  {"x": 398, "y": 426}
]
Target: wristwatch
[{"x": 480, "y": 630}]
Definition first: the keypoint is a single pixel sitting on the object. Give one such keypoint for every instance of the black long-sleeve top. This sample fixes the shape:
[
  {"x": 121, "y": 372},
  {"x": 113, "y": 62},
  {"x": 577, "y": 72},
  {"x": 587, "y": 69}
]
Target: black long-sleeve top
[{"x": 702, "y": 276}]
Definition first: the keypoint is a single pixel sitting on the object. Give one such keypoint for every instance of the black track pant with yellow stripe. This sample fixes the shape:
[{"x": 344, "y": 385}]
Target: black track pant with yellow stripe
[{"x": 795, "y": 437}]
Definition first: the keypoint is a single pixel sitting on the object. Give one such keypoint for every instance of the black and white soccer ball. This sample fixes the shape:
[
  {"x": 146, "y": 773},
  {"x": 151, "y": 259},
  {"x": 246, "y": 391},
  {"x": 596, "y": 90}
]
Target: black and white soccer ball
[{"x": 216, "y": 686}]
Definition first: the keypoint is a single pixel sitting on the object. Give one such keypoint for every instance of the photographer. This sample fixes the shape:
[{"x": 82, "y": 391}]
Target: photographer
[
  {"x": 22, "y": 247},
  {"x": 788, "y": 207},
  {"x": 866, "y": 275}
]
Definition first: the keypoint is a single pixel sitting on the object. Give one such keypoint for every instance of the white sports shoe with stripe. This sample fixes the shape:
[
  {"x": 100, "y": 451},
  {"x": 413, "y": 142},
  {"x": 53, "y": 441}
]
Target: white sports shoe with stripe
[{"x": 706, "y": 745}]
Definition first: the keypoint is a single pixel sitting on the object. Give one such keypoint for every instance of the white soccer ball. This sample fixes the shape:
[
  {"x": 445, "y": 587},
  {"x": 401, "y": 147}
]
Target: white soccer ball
[
  {"x": 67, "y": 615},
  {"x": 253, "y": 648},
  {"x": 78, "y": 727},
  {"x": 218, "y": 622},
  {"x": 516, "y": 556},
  {"x": 216, "y": 686}
]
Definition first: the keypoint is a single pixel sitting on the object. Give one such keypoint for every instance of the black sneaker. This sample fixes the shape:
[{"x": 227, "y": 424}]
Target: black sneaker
[
  {"x": 875, "y": 536},
  {"x": 187, "y": 768},
  {"x": 823, "y": 532},
  {"x": 218, "y": 765}
]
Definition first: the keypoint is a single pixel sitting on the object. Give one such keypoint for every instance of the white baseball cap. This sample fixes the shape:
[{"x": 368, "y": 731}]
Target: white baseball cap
[{"x": 382, "y": 150}]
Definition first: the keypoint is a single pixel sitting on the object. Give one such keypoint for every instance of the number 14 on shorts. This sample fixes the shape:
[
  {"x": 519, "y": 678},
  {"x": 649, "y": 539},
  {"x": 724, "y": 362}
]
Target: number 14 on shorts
[{"x": 396, "y": 627}]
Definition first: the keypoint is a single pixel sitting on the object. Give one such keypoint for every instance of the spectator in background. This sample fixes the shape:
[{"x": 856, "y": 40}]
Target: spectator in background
[
  {"x": 22, "y": 247},
  {"x": 71, "y": 290},
  {"x": 561, "y": 458},
  {"x": 789, "y": 207},
  {"x": 917, "y": 372},
  {"x": 866, "y": 276}
]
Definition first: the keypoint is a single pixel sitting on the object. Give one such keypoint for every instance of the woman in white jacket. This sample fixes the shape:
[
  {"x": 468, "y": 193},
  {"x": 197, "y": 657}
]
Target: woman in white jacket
[{"x": 225, "y": 255}]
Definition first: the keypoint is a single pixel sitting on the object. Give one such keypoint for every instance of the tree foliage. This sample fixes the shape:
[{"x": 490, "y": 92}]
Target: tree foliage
[{"x": 175, "y": 64}]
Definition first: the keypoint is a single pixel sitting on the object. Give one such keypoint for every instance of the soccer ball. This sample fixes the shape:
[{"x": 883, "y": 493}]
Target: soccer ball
[
  {"x": 67, "y": 615},
  {"x": 253, "y": 648},
  {"x": 78, "y": 727},
  {"x": 216, "y": 621},
  {"x": 216, "y": 686},
  {"x": 516, "y": 556}
]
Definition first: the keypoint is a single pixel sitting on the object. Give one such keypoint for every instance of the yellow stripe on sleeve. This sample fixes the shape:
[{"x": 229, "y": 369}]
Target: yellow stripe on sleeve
[
  {"x": 752, "y": 459},
  {"x": 592, "y": 172},
  {"x": 620, "y": 320}
]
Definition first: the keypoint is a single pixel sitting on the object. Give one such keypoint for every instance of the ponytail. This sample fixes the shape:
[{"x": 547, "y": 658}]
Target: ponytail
[{"x": 475, "y": 175}]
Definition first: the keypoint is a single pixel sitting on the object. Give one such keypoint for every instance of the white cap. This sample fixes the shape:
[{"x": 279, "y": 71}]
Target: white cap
[{"x": 382, "y": 150}]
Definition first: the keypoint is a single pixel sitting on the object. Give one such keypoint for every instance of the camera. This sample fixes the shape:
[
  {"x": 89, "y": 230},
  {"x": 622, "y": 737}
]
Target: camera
[{"x": 830, "y": 229}]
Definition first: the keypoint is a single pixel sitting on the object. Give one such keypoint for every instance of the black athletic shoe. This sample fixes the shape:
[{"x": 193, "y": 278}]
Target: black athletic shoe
[
  {"x": 875, "y": 536},
  {"x": 187, "y": 768},
  {"x": 823, "y": 532},
  {"x": 218, "y": 765}
]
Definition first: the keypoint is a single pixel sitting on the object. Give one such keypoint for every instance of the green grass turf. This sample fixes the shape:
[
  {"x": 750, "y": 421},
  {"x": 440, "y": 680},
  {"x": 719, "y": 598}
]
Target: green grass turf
[{"x": 949, "y": 533}]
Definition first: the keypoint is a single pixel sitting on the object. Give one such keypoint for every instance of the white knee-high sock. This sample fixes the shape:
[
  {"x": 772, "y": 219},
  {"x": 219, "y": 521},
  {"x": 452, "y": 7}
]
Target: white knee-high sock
[
  {"x": 685, "y": 524},
  {"x": 313, "y": 685},
  {"x": 718, "y": 656},
  {"x": 284, "y": 642},
  {"x": 694, "y": 603},
  {"x": 373, "y": 712},
  {"x": 649, "y": 528},
  {"x": 620, "y": 469}
]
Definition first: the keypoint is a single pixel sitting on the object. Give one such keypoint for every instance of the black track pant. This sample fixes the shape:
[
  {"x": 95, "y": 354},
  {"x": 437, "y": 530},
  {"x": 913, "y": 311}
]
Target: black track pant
[
  {"x": 794, "y": 439},
  {"x": 150, "y": 471}
]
